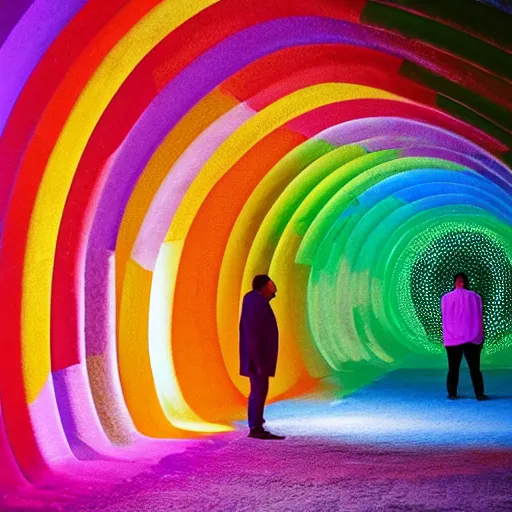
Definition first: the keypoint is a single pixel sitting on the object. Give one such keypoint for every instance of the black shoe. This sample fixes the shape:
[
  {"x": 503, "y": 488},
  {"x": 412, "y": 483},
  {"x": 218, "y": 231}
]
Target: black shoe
[
  {"x": 255, "y": 431},
  {"x": 482, "y": 397},
  {"x": 263, "y": 434},
  {"x": 452, "y": 397}
]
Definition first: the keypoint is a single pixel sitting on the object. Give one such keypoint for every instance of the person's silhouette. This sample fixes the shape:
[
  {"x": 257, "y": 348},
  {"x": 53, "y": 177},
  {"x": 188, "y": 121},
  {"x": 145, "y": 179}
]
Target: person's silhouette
[
  {"x": 258, "y": 350},
  {"x": 463, "y": 334}
]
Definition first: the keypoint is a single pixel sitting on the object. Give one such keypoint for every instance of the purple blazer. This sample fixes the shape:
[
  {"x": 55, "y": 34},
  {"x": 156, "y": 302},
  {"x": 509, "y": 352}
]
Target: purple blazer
[{"x": 259, "y": 336}]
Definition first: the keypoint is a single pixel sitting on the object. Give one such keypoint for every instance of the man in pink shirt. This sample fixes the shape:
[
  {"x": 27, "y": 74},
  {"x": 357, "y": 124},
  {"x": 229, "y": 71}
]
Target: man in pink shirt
[{"x": 463, "y": 334}]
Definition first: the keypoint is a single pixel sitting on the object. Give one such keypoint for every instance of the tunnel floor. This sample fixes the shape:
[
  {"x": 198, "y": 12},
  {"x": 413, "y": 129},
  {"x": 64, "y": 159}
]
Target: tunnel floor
[{"x": 396, "y": 445}]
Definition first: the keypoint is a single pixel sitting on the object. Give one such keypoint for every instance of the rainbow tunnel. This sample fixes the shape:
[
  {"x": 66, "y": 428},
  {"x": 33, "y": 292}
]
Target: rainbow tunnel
[{"x": 157, "y": 154}]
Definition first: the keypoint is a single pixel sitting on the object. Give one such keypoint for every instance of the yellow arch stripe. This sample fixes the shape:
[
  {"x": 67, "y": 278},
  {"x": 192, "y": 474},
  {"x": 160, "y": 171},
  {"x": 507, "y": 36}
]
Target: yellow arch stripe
[
  {"x": 266, "y": 121},
  {"x": 168, "y": 389},
  {"x": 59, "y": 172},
  {"x": 133, "y": 307}
]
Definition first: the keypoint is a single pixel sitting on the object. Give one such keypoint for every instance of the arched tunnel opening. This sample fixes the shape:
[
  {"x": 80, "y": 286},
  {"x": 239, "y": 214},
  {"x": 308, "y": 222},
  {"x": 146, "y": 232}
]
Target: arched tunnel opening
[{"x": 157, "y": 155}]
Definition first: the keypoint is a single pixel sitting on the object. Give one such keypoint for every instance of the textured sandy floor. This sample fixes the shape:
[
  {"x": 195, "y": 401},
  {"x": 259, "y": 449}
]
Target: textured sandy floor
[{"x": 397, "y": 445}]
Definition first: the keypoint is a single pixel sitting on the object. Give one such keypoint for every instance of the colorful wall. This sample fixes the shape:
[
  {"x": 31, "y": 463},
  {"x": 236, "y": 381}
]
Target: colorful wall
[{"x": 156, "y": 154}]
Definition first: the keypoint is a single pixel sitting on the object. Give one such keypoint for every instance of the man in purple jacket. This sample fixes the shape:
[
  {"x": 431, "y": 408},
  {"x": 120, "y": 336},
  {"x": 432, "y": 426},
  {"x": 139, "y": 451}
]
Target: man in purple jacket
[
  {"x": 463, "y": 334},
  {"x": 258, "y": 350}
]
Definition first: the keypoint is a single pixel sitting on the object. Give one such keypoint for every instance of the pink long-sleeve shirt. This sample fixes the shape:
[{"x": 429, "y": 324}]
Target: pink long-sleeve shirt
[{"x": 462, "y": 317}]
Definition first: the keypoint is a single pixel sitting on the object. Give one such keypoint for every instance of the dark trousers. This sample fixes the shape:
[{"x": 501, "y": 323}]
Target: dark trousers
[
  {"x": 257, "y": 397},
  {"x": 472, "y": 354}
]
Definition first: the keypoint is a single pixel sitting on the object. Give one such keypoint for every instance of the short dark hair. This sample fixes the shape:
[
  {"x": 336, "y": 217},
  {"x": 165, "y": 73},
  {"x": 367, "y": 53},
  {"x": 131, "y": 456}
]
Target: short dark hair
[
  {"x": 464, "y": 278},
  {"x": 260, "y": 281}
]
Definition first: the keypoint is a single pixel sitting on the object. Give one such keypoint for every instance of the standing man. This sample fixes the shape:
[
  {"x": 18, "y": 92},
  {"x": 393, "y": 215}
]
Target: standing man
[
  {"x": 463, "y": 334},
  {"x": 258, "y": 350}
]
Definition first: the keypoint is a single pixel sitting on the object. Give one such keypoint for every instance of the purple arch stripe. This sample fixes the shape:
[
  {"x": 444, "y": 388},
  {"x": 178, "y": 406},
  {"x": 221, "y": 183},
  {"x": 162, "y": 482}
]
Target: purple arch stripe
[{"x": 27, "y": 43}]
